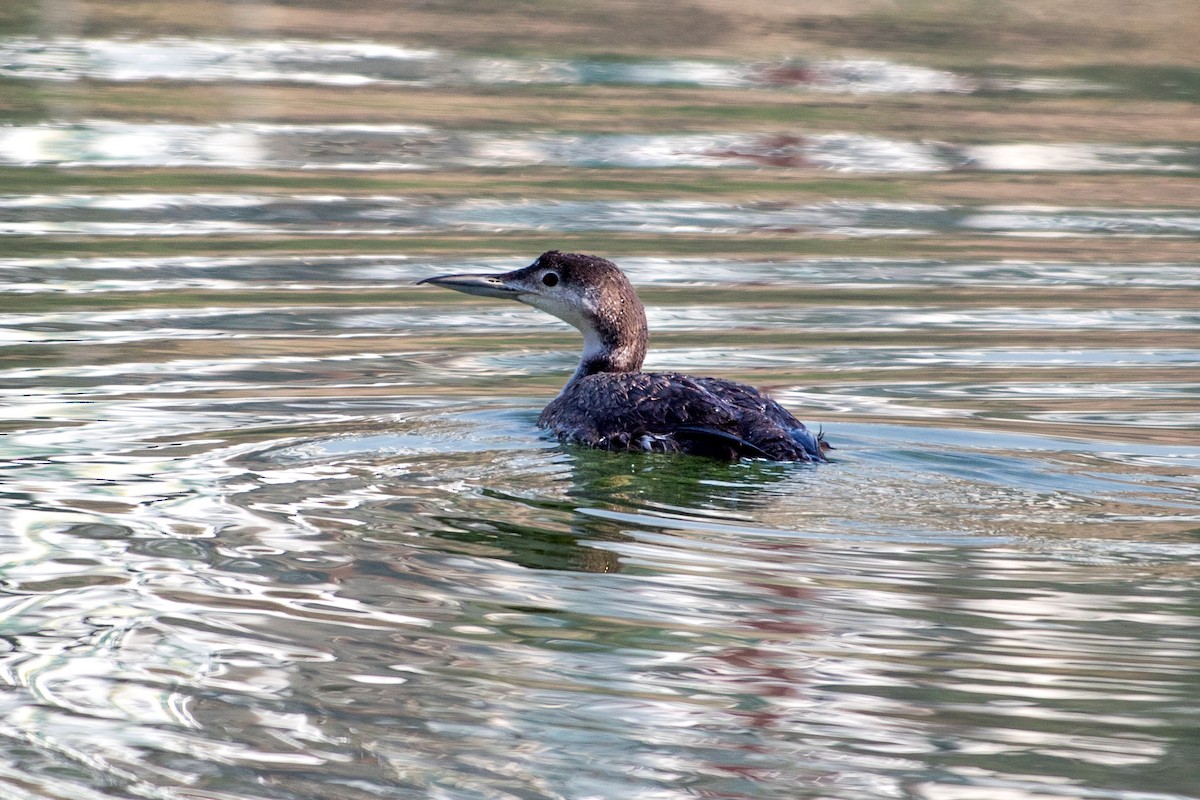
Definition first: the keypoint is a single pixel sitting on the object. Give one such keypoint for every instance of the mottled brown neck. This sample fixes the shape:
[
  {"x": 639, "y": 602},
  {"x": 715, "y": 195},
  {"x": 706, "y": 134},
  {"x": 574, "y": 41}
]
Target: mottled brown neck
[{"x": 616, "y": 341}]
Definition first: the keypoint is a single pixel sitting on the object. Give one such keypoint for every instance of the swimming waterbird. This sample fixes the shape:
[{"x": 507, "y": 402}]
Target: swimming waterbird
[{"x": 609, "y": 402}]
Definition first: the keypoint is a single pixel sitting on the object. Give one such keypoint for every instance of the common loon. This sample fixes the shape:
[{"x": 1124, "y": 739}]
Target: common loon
[{"x": 609, "y": 402}]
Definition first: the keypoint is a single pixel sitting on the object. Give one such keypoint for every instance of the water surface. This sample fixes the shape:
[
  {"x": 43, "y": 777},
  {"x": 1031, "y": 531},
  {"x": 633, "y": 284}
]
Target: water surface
[{"x": 278, "y": 523}]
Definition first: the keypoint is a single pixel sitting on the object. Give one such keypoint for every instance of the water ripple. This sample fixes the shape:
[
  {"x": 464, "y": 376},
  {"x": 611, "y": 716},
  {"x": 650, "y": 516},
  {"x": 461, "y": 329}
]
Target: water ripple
[
  {"x": 375, "y": 63},
  {"x": 408, "y": 147},
  {"x": 133, "y": 215},
  {"x": 357, "y": 582},
  {"x": 383, "y": 271}
]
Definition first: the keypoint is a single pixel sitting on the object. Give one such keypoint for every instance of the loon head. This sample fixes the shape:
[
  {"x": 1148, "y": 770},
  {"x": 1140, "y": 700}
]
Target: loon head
[{"x": 588, "y": 292}]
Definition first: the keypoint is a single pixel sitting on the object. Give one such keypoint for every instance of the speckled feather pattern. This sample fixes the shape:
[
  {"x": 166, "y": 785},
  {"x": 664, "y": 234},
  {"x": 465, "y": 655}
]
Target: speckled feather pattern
[{"x": 647, "y": 410}]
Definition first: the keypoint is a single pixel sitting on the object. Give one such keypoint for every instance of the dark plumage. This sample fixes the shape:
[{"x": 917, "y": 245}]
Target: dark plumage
[{"x": 609, "y": 403}]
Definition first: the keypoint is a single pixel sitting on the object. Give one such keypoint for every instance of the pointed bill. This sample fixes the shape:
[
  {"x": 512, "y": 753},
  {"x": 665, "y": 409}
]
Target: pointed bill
[{"x": 478, "y": 284}]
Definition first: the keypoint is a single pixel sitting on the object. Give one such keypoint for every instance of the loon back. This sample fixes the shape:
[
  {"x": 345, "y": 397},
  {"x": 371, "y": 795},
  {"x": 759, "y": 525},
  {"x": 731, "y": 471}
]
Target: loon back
[
  {"x": 669, "y": 412},
  {"x": 609, "y": 403}
]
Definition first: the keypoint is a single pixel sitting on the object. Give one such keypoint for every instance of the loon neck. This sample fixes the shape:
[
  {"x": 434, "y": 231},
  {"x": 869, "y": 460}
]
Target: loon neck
[{"x": 613, "y": 343}]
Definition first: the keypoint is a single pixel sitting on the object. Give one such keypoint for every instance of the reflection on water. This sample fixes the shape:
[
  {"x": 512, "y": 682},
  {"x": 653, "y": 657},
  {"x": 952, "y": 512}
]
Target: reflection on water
[
  {"x": 410, "y": 147},
  {"x": 277, "y": 523},
  {"x": 456, "y": 598},
  {"x": 325, "y": 215},
  {"x": 372, "y": 63},
  {"x": 384, "y": 271}
]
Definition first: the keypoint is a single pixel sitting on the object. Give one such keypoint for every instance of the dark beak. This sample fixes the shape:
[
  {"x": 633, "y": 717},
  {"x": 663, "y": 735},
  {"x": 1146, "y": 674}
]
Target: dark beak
[{"x": 482, "y": 285}]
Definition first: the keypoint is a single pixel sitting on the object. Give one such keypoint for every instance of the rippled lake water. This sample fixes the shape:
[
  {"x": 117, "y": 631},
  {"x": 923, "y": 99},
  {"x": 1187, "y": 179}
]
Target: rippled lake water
[{"x": 278, "y": 523}]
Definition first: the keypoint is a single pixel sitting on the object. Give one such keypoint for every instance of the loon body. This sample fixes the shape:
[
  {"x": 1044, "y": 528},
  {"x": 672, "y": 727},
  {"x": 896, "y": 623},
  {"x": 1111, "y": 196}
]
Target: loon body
[{"x": 609, "y": 402}]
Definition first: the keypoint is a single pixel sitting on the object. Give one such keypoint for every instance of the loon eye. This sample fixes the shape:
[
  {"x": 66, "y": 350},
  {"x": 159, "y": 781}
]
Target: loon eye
[{"x": 550, "y": 279}]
